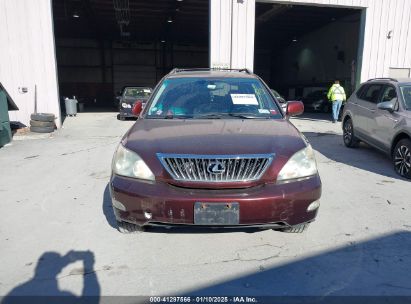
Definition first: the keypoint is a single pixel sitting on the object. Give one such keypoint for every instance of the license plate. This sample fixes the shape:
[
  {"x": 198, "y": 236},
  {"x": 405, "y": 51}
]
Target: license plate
[{"x": 216, "y": 213}]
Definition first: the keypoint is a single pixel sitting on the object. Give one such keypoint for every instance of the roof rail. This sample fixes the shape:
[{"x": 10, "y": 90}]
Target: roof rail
[
  {"x": 178, "y": 70},
  {"x": 383, "y": 78}
]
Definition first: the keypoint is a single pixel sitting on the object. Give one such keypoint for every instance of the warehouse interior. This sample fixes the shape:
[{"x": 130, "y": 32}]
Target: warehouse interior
[
  {"x": 300, "y": 48},
  {"x": 104, "y": 45}
]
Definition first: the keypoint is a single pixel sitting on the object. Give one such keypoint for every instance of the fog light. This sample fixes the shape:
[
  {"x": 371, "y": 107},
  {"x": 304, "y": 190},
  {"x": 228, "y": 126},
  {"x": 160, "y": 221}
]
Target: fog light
[
  {"x": 313, "y": 206},
  {"x": 148, "y": 215},
  {"x": 118, "y": 205}
]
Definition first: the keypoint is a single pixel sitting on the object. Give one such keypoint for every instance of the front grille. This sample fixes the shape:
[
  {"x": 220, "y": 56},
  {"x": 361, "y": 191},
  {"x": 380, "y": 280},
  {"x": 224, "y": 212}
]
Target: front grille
[{"x": 216, "y": 168}]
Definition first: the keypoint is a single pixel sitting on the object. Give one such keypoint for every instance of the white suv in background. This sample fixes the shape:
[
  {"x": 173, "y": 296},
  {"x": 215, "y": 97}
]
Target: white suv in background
[{"x": 379, "y": 113}]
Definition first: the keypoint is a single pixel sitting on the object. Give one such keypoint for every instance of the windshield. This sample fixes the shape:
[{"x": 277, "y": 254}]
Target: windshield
[
  {"x": 406, "y": 96},
  {"x": 202, "y": 98},
  {"x": 137, "y": 92}
]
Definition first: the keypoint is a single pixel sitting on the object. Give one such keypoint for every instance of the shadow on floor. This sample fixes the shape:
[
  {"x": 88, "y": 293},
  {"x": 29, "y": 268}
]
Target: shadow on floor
[
  {"x": 312, "y": 116},
  {"x": 364, "y": 157},
  {"x": 108, "y": 208},
  {"x": 376, "y": 267},
  {"x": 45, "y": 281}
]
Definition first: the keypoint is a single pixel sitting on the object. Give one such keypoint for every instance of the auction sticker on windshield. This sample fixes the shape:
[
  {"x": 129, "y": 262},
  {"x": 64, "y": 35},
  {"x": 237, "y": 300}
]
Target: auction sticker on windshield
[{"x": 244, "y": 99}]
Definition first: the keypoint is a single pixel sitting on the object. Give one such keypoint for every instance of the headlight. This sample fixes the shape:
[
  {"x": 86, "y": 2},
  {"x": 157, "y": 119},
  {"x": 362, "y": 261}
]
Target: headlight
[
  {"x": 301, "y": 164},
  {"x": 128, "y": 163},
  {"x": 126, "y": 105}
]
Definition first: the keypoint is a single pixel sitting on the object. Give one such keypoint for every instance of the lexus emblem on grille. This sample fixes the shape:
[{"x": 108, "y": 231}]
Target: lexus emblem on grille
[{"x": 216, "y": 167}]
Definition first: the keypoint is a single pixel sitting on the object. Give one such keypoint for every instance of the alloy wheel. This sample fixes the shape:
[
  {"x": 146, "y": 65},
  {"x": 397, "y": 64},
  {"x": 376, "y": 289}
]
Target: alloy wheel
[
  {"x": 402, "y": 160},
  {"x": 347, "y": 132}
]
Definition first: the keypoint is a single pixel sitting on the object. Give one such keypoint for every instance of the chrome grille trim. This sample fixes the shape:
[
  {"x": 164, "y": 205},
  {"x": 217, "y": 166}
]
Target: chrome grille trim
[{"x": 195, "y": 168}]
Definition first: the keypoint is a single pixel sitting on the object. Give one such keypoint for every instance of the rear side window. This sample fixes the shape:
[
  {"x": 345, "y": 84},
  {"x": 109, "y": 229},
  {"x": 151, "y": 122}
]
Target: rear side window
[
  {"x": 371, "y": 93},
  {"x": 360, "y": 90}
]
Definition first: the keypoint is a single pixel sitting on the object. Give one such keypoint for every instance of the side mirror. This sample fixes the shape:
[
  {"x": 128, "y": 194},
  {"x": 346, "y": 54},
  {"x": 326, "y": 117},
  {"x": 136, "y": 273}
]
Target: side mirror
[
  {"x": 387, "y": 106},
  {"x": 137, "y": 108},
  {"x": 295, "y": 108}
]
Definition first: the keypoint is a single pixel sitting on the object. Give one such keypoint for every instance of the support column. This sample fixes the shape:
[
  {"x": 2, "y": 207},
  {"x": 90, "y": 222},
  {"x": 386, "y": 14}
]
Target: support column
[{"x": 232, "y": 24}]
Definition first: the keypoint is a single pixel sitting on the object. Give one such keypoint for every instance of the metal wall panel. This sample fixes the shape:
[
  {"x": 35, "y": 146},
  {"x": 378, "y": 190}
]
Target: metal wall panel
[
  {"x": 27, "y": 56},
  {"x": 387, "y": 32},
  {"x": 220, "y": 32}
]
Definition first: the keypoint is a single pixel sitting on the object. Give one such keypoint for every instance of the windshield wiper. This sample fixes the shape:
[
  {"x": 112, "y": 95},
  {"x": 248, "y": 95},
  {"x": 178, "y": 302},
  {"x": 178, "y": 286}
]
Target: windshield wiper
[
  {"x": 247, "y": 116},
  {"x": 170, "y": 116},
  {"x": 211, "y": 115},
  {"x": 222, "y": 115}
]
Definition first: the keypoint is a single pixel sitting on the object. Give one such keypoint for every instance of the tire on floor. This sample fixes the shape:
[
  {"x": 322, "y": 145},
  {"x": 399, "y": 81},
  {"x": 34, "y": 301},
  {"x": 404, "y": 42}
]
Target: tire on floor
[
  {"x": 37, "y": 123},
  {"x": 43, "y": 117},
  {"x": 42, "y": 129}
]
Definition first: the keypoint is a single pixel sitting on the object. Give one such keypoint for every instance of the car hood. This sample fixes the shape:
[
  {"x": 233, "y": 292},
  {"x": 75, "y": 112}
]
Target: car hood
[{"x": 214, "y": 137}]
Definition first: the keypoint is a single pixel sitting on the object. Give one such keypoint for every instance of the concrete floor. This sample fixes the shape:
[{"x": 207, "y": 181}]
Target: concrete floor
[{"x": 57, "y": 231}]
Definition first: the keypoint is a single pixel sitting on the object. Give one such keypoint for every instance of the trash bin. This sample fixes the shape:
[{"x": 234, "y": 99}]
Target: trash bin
[
  {"x": 6, "y": 105},
  {"x": 81, "y": 107},
  {"x": 71, "y": 106}
]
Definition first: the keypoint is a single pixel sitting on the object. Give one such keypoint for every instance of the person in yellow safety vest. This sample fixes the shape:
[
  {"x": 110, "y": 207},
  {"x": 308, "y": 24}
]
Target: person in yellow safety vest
[{"x": 337, "y": 96}]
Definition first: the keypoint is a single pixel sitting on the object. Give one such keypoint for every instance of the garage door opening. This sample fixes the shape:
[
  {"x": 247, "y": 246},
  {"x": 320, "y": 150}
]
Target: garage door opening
[
  {"x": 104, "y": 45},
  {"x": 300, "y": 50}
]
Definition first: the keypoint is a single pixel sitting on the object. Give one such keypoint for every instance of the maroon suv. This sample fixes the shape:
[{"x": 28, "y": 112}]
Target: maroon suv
[{"x": 213, "y": 148}]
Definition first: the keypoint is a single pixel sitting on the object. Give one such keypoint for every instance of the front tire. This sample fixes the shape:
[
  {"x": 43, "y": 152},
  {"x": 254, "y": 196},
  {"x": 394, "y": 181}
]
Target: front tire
[
  {"x": 402, "y": 158},
  {"x": 128, "y": 228},
  {"x": 350, "y": 140},
  {"x": 300, "y": 228}
]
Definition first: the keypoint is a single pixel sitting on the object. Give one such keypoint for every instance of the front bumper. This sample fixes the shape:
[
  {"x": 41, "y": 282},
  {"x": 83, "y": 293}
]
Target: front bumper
[
  {"x": 265, "y": 205},
  {"x": 126, "y": 112}
]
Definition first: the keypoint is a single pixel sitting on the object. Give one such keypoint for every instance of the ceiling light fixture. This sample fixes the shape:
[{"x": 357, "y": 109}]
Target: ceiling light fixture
[
  {"x": 169, "y": 20},
  {"x": 295, "y": 39},
  {"x": 122, "y": 13},
  {"x": 163, "y": 41},
  {"x": 76, "y": 15}
]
